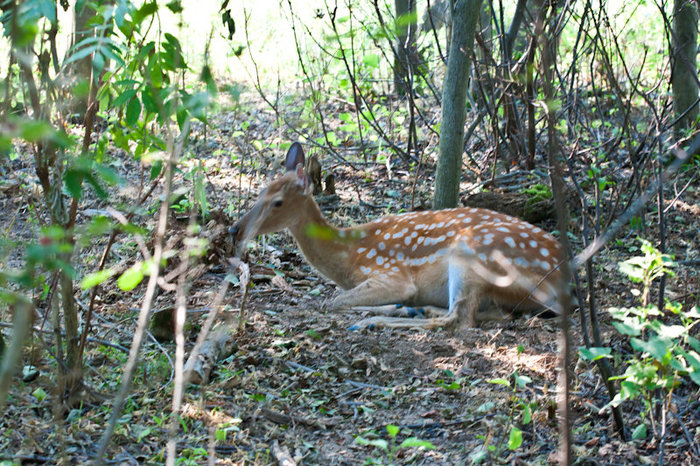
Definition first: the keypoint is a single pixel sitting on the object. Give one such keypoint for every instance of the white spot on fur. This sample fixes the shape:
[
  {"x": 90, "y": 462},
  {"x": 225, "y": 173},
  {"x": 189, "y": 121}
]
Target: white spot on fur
[
  {"x": 372, "y": 252},
  {"x": 380, "y": 260},
  {"x": 509, "y": 241},
  {"x": 361, "y": 250},
  {"x": 544, "y": 252},
  {"x": 521, "y": 261}
]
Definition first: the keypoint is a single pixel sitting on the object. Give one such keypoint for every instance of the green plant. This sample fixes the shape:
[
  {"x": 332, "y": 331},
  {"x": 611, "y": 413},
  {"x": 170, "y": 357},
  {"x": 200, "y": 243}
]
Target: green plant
[
  {"x": 663, "y": 354},
  {"x": 517, "y": 404},
  {"x": 192, "y": 456},
  {"x": 647, "y": 268},
  {"x": 448, "y": 383},
  {"x": 390, "y": 447},
  {"x": 537, "y": 192}
]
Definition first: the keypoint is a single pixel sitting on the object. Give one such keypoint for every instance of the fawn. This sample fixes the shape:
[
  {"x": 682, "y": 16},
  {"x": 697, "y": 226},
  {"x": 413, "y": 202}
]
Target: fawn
[{"x": 451, "y": 260}]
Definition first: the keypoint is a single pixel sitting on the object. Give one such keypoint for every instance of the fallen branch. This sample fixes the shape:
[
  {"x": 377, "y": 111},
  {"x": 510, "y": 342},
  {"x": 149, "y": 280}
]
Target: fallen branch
[
  {"x": 216, "y": 347},
  {"x": 282, "y": 455}
]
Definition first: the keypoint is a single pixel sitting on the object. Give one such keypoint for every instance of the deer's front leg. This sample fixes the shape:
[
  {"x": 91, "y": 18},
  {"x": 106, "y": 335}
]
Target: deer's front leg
[{"x": 375, "y": 292}]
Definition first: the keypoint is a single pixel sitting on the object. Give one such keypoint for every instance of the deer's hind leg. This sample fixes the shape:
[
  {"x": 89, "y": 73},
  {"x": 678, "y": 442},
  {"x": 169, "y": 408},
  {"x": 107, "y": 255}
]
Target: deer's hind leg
[{"x": 464, "y": 293}]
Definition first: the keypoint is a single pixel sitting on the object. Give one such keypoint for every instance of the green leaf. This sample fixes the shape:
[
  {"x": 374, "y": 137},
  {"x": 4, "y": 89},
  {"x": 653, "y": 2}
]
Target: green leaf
[
  {"x": 503, "y": 382},
  {"x": 594, "y": 353},
  {"x": 371, "y": 60},
  {"x": 107, "y": 174},
  {"x": 522, "y": 380},
  {"x": 131, "y": 278},
  {"x": 96, "y": 278},
  {"x": 144, "y": 12},
  {"x": 413, "y": 442},
  {"x": 124, "y": 97},
  {"x": 379, "y": 443},
  {"x": 39, "y": 394},
  {"x": 527, "y": 413},
  {"x": 695, "y": 377},
  {"x": 478, "y": 456},
  {"x": 99, "y": 190},
  {"x": 176, "y": 7},
  {"x": 156, "y": 73},
  {"x": 640, "y": 432},
  {"x": 515, "y": 439},
  {"x": 35, "y": 131},
  {"x": 156, "y": 168},
  {"x": 656, "y": 347},
  {"x": 80, "y": 54},
  {"x": 133, "y": 111},
  {"x": 149, "y": 102},
  {"x": 74, "y": 182},
  {"x": 692, "y": 358},
  {"x": 407, "y": 19},
  {"x": 670, "y": 331},
  {"x": 631, "y": 326},
  {"x": 142, "y": 433},
  {"x": 392, "y": 430},
  {"x": 694, "y": 342},
  {"x": 208, "y": 78},
  {"x": 47, "y": 8}
]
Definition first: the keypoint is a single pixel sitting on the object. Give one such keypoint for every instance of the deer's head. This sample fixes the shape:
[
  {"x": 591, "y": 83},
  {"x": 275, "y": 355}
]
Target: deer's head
[{"x": 277, "y": 205}]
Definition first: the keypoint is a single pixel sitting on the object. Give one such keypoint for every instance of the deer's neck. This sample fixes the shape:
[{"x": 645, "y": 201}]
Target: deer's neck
[{"x": 319, "y": 241}]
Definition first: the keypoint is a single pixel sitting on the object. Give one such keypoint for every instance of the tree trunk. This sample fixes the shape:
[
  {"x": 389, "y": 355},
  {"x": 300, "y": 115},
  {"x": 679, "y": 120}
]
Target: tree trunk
[
  {"x": 454, "y": 96},
  {"x": 684, "y": 79},
  {"x": 80, "y": 69},
  {"x": 406, "y": 55}
]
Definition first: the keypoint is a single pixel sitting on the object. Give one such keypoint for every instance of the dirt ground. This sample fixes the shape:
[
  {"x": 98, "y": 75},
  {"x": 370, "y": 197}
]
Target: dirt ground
[{"x": 297, "y": 376}]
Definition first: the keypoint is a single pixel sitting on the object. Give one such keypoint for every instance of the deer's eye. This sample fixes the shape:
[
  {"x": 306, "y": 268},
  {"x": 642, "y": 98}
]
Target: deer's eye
[{"x": 277, "y": 203}]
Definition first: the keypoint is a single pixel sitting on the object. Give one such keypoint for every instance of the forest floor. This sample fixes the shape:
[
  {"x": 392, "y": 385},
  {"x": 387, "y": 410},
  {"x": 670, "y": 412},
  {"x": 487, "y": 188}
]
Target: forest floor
[{"x": 298, "y": 376}]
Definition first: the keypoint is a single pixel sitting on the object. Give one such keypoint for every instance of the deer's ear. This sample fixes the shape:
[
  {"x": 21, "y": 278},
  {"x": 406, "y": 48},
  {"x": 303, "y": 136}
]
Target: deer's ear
[
  {"x": 295, "y": 157},
  {"x": 303, "y": 179}
]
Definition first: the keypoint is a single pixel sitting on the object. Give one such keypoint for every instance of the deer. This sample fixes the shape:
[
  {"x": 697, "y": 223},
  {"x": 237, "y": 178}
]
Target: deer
[{"x": 443, "y": 264}]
